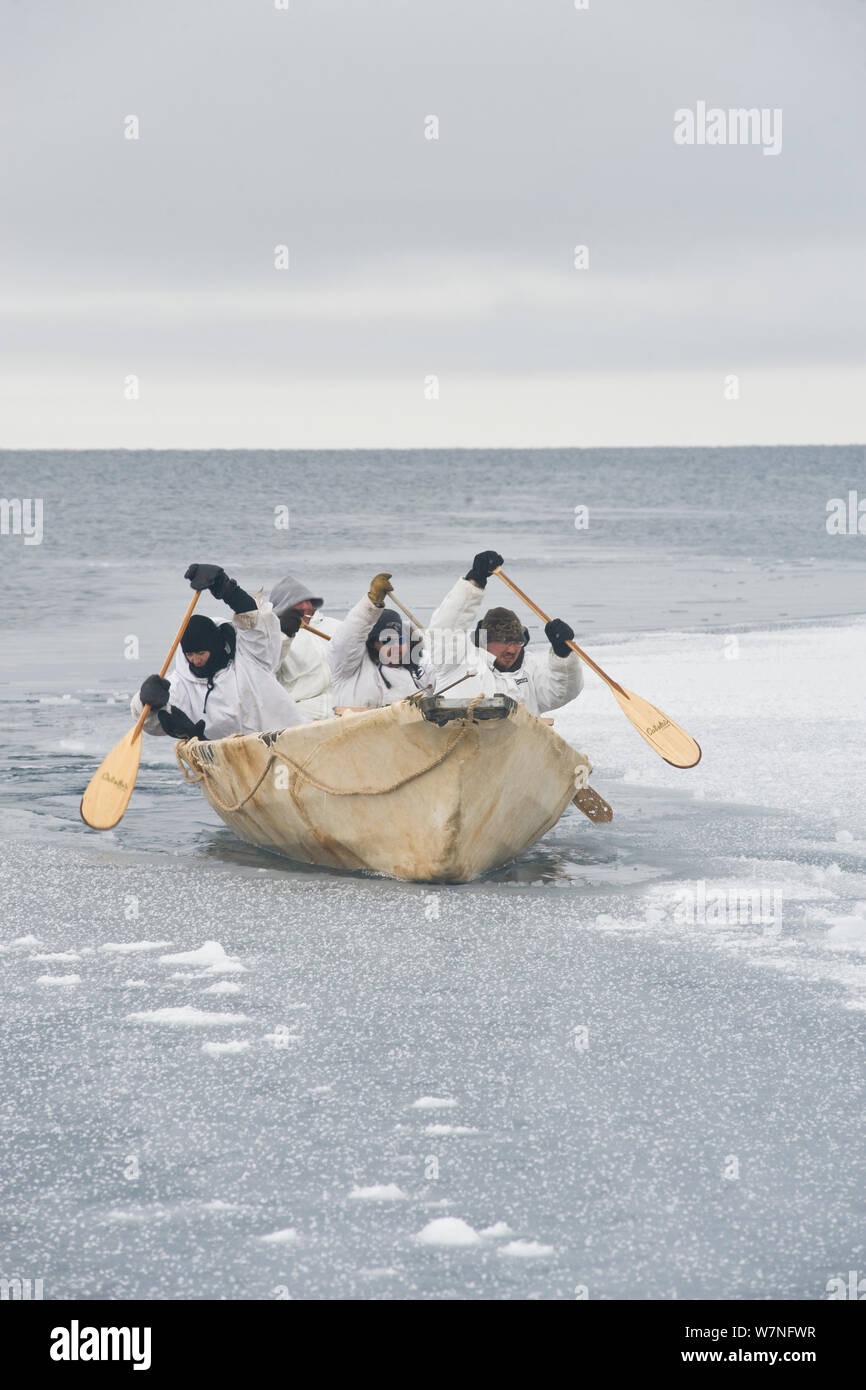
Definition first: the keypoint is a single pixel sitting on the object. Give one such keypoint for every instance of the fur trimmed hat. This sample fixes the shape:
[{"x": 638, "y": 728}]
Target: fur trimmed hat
[{"x": 501, "y": 625}]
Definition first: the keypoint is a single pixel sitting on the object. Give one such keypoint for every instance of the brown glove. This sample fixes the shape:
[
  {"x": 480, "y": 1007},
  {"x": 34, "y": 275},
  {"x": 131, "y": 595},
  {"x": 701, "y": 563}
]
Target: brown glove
[{"x": 379, "y": 587}]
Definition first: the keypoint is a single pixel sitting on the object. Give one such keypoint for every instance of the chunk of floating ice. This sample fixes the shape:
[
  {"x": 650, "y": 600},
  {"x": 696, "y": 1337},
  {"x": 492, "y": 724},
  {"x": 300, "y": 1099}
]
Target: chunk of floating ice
[
  {"x": 281, "y": 1237},
  {"x": 498, "y": 1230},
  {"x": 59, "y": 980},
  {"x": 525, "y": 1249},
  {"x": 448, "y": 1230},
  {"x": 186, "y": 1017},
  {"x": 122, "y": 947},
  {"x": 218, "y": 1049},
  {"x": 223, "y": 987},
  {"x": 21, "y": 942},
  {"x": 449, "y": 1129},
  {"x": 434, "y": 1103},
  {"x": 211, "y": 957},
  {"x": 56, "y": 955},
  {"x": 386, "y": 1192},
  {"x": 205, "y": 955}
]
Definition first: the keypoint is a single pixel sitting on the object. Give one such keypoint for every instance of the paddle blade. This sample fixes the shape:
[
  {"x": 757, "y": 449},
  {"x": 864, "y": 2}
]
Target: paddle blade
[
  {"x": 592, "y": 805},
  {"x": 661, "y": 733},
  {"x": 110, "y": 788}
]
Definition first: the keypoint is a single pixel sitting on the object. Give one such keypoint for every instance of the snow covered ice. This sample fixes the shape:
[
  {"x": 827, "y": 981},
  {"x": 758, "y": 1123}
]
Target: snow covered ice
[{"x": 604, "y": 1164}]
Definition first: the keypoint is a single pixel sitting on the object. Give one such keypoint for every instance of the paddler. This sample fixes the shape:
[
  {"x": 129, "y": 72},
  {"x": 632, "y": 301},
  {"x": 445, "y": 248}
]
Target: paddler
[
  {"x": 303, "y": 669},
  {"x": 495, "y": 646},
  {"x": 376, "y": 656},
  {"x": 223, "y": 683}
]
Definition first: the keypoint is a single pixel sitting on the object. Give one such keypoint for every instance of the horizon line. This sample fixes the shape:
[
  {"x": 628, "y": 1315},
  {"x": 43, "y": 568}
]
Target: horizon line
[{"x": 396, "y": 448}]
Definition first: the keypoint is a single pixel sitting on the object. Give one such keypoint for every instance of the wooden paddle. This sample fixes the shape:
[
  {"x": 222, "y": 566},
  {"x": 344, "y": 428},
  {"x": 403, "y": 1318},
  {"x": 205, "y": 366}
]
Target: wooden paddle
[
  {"x": 420, "y": 694},
  {"x": 110, "y": 787},
  {"x": 411, "y": 616},
  {"x": 661, "y": 733},
  {"x": 317, "y": 632}
]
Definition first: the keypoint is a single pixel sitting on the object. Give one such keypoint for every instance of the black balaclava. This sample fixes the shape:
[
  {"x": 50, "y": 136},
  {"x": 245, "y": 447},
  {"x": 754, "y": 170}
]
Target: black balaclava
[
  {"x": 387, "y": 619},
  {"x": 204, "y": 635}
]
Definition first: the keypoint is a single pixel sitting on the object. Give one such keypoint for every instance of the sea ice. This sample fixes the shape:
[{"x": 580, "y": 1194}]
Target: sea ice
[
  {"x": 186, "y": 1017},
  {"x": 124, "y": 947},
  {"x": 449, "y": 1129},
  {"x": 211, "y": 957},
  {"x": 448, "y": 1230},
  {"x": 386, "y": 1192},
  {"x": 525, "y": 1249}
]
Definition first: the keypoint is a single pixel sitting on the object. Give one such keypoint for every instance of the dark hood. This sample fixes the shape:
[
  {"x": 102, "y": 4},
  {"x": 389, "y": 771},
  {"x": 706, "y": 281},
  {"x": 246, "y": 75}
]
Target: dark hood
[
  {"x": 390, "y": 618},
  {"x": 202, "y": 634}
]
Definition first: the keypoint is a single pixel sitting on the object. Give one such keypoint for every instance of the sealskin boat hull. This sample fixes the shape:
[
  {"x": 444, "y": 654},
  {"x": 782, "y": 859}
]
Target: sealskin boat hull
[{"x": 437, "y": 792}]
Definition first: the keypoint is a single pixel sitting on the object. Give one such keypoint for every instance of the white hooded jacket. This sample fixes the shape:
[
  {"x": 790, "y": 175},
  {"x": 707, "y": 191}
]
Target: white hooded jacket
[
  {"x": 303, "y": 668},
  {"x": 358, "y": 680},
  {"x": 541, "y": 683},
  {"x": 246, "y": 698}
]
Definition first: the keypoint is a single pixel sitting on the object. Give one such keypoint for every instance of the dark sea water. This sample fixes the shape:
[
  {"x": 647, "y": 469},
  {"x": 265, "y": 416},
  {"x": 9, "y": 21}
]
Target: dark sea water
[{"x": 684, "y": 539}]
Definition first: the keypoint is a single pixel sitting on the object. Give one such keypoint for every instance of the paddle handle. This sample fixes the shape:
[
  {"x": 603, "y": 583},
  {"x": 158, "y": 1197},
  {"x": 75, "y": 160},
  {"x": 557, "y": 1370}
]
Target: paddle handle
[
  {"x": 165, "y": 665},
  {"x": 574, "y": 647},
  {"x": 317, "y": 632},
  {"x": 411, "y": 616}
]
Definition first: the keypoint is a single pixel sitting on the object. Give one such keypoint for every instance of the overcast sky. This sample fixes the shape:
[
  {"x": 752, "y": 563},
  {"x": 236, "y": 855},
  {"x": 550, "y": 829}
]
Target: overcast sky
[{"x": 411, "y": 257}]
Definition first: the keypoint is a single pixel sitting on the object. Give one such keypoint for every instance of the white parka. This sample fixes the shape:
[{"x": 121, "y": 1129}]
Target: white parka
[
  {"x": 304, "y": 670},
  {"x": 357, "y": 679},
  {"x": 246, "y": 698},
  {"x": 542, "y": 682}
]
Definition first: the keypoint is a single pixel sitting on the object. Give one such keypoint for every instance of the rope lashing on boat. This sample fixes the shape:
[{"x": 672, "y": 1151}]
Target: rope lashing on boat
[{"x": 199, "y": 775}]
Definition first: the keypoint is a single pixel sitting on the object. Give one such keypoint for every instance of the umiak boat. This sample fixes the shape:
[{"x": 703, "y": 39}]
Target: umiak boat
[{"x": 434, "y": 791}]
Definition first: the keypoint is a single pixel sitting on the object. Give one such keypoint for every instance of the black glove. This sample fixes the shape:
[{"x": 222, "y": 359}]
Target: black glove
[
  {"x": 228, "y": 590},
  {"x": 291, "y": 621},
  {"x": 179, "y": 724},
  {"x": 485, "y": 562},
  {"x": 558, "y": 635},
  {"x": 206, "y": 577},
  {"x": 154, "y": 692}
]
